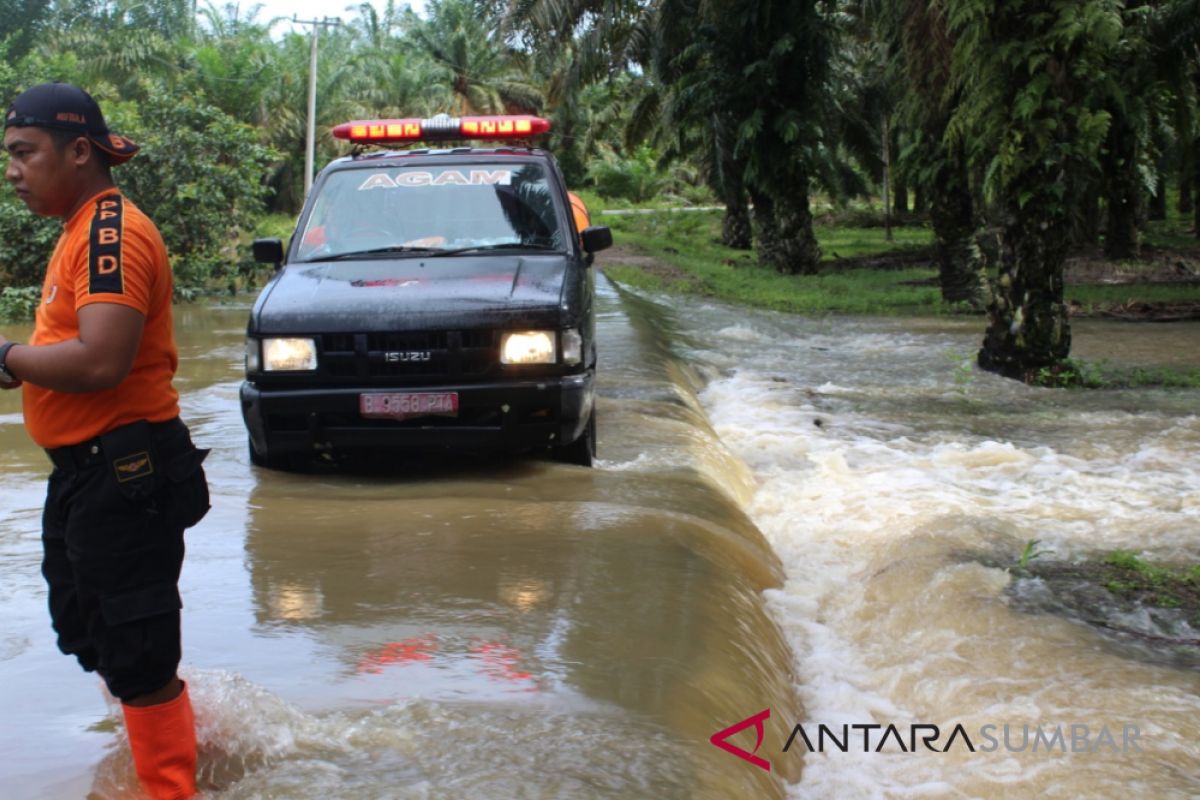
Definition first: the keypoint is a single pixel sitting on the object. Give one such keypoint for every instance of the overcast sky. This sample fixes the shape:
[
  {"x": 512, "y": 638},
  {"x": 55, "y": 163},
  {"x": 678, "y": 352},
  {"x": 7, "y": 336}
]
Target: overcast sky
[{"x": 318, "y": 9}]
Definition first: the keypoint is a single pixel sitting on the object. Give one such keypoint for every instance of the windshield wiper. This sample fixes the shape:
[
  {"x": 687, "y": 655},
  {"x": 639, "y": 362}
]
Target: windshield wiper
[
  {"x": 483, "y": 248},
  {"x": 374, "y": 251}
]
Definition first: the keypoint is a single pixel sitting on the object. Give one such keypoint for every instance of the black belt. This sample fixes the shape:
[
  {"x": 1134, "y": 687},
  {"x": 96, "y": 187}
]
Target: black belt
[{"x": 77, "y": 457}]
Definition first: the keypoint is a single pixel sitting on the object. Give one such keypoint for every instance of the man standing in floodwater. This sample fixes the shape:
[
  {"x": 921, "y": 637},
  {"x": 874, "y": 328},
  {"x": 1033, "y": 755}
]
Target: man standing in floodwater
[{"x": 98, "y": 396}]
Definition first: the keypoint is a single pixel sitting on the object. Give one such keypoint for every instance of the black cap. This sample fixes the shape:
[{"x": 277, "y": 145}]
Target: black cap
[{"x": 64, "y": 107}]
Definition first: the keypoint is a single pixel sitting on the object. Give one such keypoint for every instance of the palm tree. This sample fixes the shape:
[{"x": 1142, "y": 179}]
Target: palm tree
[
  {"x": 111, "y": 49},
  {"x": 388, "y": 76},
  {"x": 1034, "y": 133},
  {"x": 483, "y": 74},
  {"x": 1135, "y": 105},
  {"x": 285, "y": 98},
  {"x": 782, "y": 53},
  {"x": 1175, "y": 38},
  {"x": 757, "y": 78},
  {"x": 235, "y": 61},
  {"x": 686, "y": 109},
  {"x": 21, "y": 24},
  {"x": 921, "y": 49}
]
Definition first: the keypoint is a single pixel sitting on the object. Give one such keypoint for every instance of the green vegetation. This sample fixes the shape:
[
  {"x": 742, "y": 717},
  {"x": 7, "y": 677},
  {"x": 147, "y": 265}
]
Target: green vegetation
[
  {"x": 861, "y": 292},
  {"x": 1092, "y": 298},
  {"x": 691, "y": 260},
  {"x": 1131, "y": 578},
  {"x": 680, "y": 251},
  {"x": 1079, "y": 374},
  {"x": 699, "y": 231},
  {"x": 1012, "y": 133},
  {"x": 19, "y": 303},
  {"x": 276, "y": 226},
  {"x": 1174, "y": 230},
  {"x": 636, "y": 179},
  {"x": 1028, "y": 554}
]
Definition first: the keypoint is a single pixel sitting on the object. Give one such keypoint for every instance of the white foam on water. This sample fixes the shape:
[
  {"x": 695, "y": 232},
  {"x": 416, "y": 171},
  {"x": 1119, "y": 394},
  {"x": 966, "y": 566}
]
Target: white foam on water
[
  {"x": 253, "y": 744},
  {"x": 893, "y": 525},
  {"x": 742, "y": 333}
]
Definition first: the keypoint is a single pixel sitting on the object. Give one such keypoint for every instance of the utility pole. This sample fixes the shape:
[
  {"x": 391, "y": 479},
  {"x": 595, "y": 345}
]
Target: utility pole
[{"x": 310, "y": 145}]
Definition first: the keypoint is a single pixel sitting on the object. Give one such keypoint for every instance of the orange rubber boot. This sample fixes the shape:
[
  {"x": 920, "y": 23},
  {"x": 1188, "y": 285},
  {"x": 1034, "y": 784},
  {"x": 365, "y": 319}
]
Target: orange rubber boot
[{"x": 163, "y": 741}]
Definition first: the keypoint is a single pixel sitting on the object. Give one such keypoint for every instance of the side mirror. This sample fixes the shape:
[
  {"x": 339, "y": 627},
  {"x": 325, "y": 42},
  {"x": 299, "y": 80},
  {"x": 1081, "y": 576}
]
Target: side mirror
[
  {"x": 270, "y": 251},
  {"x": 596, "y": 238}
]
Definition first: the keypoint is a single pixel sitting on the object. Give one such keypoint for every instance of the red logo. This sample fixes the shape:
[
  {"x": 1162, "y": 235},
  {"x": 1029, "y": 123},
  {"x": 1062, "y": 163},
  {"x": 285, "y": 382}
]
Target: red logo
[{"x": 719, "y": 738}]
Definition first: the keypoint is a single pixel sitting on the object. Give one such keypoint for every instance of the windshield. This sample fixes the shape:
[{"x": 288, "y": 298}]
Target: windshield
[{"x": 392, "y": 210}]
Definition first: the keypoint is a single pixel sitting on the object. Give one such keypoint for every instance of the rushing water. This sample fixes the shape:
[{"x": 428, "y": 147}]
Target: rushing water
[
  {"x": 807, "y": 516},
  {"x": 892, "y": 482}
]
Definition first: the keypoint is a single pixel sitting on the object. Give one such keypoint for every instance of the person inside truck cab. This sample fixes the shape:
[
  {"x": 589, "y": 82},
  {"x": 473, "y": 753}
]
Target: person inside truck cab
[{"x": 579, "y": 211}]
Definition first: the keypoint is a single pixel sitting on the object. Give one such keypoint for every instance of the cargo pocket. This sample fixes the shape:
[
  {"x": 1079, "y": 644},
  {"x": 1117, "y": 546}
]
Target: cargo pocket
[
  {"x": 132, "y": 459},
  {"x": 187, "y": 495},
  {"x": 139, "y": 604},
  {"x": 139, "y": 645}
]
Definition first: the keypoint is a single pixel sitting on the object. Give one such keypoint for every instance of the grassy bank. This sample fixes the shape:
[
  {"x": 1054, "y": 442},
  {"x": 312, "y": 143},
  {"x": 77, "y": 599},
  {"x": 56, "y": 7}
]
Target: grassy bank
[{"x": 679, "y": 251}]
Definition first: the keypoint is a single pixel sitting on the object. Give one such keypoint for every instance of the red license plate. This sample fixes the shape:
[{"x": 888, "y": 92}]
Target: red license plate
[{"x": 404, "y": 405}]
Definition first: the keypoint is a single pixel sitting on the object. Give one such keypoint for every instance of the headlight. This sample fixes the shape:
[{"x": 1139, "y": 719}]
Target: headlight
[
  {"x": 253, "y": 355},
  {"x": 572, "y": 342},
  {"x": 527, "y": 347},
  {"x": 289, "y": 355}
]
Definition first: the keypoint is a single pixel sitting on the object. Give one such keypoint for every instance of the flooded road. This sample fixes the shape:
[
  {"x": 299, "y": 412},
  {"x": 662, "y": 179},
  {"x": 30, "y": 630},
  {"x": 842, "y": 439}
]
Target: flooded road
[
  {"x": 507, "y": 629},
  {"x": 810, "y": 516}
]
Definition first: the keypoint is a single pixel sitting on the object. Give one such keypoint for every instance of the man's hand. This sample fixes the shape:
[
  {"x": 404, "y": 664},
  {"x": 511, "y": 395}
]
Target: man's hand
[{"x": 5, "y": 384}]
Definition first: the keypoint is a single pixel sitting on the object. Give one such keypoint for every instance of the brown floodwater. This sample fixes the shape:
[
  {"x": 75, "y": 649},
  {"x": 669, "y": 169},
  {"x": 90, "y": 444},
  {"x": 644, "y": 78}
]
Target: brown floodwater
[
  {"x": 506, "y": 628},
  {"x": 812, "y": 516}
]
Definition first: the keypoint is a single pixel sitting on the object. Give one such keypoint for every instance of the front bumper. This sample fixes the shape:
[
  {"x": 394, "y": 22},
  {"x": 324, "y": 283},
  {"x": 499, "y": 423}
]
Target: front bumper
[{"x": 513, "y": 415}]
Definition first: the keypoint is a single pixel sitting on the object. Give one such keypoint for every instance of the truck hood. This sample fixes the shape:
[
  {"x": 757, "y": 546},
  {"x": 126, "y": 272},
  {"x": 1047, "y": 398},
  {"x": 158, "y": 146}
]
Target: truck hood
[{"x": 399, "y": 294}]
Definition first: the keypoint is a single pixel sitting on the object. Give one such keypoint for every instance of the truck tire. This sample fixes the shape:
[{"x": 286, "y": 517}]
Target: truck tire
[
  {"x": 582, "y": 451},
  {"x": 285, "y": 463}
]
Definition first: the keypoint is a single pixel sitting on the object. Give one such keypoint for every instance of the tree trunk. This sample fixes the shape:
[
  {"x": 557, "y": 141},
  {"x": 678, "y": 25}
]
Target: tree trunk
[
  {"x": 1121, "y": 232},
  {"x": 1122, "y": 192},
  {"x": 799, "y": 253},
  {"x": 766, "y": 228},
  {"x": 1028, "y": 328},
  {"x": 900, "y": 201},
  {"x": 1087, "y": 230},
  {"x": 1196, "y": 187},
  {"x": 1185, "y": 195},
  {"x": 735, "y": 228},
  {"x": 887, "y": 179},
  {"x": 953, "y": 218},
  {"x": 726, "y": 178},
  {"x": 1157, "y": 207},
  {"x": 918, "y": 205}
]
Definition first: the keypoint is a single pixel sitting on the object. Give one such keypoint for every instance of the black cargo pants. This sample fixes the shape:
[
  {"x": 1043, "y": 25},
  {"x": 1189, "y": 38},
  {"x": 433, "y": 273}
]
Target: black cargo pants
[{"x": 112, "y": 536}]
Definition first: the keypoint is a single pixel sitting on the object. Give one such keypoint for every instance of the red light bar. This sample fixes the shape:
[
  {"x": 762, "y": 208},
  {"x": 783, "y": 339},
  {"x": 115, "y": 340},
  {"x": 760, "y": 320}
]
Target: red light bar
[{"x": 383, "y": 131}]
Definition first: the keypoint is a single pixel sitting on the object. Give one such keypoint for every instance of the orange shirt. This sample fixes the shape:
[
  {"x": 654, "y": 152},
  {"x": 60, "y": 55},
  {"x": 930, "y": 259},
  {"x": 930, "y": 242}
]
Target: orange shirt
[
  {"x": 579, "y": 211},
  {"x": 109, "y": 252}
]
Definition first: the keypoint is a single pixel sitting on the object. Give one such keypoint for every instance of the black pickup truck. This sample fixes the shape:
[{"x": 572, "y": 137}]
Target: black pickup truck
[{"x": 428, "y": 298}]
